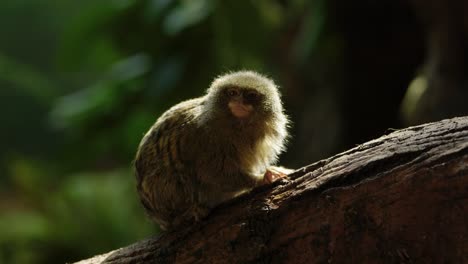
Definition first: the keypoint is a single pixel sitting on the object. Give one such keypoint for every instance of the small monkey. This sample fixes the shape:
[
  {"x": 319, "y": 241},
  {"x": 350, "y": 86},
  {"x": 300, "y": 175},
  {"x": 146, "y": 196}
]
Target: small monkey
[{"x": 207, "y": 150}]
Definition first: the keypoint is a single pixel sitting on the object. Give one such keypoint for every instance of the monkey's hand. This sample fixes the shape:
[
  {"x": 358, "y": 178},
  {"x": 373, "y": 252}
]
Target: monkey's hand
[{"x": 273, "y": 174}]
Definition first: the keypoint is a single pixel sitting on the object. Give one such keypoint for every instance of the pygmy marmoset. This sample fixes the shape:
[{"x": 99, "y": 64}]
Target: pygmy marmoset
[{"x": 207, "y": 150}]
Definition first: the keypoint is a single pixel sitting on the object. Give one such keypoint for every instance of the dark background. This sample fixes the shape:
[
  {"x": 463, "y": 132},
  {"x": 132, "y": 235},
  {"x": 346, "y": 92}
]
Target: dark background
[{"x": 81, "y": 82}]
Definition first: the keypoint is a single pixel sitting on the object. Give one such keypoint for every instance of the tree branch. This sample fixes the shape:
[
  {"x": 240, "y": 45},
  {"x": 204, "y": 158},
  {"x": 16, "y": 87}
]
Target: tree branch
[{"x": 402, "y": 198}]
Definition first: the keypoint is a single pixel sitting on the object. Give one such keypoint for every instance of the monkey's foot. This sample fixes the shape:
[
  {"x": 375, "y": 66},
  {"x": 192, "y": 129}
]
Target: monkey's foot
[{"x": 273, "y": 174}]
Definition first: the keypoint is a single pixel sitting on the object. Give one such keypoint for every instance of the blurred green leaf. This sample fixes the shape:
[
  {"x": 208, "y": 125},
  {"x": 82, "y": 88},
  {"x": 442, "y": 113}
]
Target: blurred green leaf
[
  {"x": 271, "y": 12},
  {"x": 22, "y": 226},
  {"x": 155, "y": 9},
  {"x": 29, "y": 177},
  {"x": 131, "y": 67},
  {"x": 24, "y": 77},
  {"x": 186, "y": 14},
  {"x": 311, "y": 30},
  {"x": 82, "y": 41},
  {"x": 165, "y": 76},
  {"x": 108, "y": 207},
  {"x": 101, "y": 98}
]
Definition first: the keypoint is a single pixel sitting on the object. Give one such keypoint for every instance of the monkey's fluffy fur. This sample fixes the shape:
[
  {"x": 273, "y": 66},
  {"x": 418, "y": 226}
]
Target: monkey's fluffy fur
[{"x": 198, "y": 154}]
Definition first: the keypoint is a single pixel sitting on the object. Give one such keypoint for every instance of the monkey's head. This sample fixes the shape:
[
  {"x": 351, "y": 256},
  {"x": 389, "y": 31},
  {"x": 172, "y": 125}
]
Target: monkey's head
[
  {"x": 245, "y": 97},
  {"x": 245, "y": 108}
]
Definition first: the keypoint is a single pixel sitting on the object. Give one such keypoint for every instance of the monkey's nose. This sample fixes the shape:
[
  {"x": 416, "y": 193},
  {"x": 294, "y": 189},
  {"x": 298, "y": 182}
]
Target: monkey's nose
[{"x": 239, "y": 109}]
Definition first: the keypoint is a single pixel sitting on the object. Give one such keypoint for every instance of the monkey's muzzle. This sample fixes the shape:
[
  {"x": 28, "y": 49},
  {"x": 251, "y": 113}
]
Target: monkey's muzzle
[{"x": 239, "y": 109}]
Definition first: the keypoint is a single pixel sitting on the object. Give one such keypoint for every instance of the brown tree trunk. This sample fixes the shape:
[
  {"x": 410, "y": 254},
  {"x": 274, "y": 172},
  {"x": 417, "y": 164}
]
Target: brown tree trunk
[{"x": 402, "y": 198}]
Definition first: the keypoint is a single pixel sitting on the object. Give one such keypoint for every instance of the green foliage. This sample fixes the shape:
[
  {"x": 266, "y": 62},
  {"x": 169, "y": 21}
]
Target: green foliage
[
  {"x": 82, "y": 83},
  {"x": 85, "y": 214}
]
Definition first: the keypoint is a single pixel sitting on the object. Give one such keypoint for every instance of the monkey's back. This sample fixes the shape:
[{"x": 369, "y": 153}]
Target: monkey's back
[{"x": 163, "y": 164}]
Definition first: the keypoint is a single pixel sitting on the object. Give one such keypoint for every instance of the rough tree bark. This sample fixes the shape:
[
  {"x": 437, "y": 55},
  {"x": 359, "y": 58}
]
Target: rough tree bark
[{"x": 402, "y": 198}]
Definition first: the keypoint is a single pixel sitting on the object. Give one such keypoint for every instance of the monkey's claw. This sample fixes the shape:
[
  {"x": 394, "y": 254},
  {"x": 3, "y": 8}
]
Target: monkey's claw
[{"x": 273, "y": 174}]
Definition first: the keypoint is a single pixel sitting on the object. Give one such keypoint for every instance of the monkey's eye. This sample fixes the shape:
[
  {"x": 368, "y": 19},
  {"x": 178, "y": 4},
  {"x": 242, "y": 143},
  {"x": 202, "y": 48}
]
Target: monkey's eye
[
  {"x": 232, "y": 92},
  {"x": 251, "y": 96}
]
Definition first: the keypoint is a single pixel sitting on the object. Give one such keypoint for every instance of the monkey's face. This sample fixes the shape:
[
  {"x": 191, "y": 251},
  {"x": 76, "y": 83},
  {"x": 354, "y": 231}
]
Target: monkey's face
[
  {"x": 243, "y": 103},
  {"x": 245, "y": 98}
]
